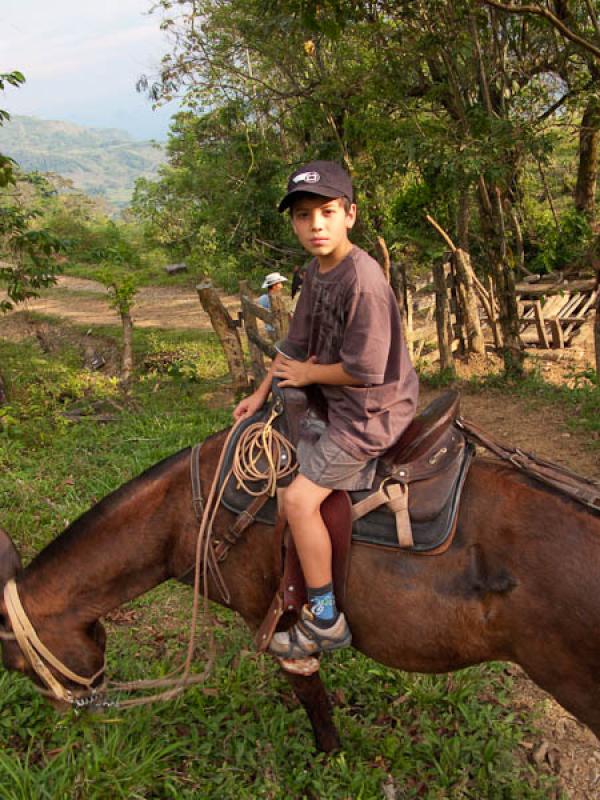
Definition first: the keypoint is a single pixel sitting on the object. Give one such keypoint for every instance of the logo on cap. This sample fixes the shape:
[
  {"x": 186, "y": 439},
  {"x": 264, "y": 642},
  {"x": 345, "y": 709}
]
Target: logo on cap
[{"x": 307, "y": 177}]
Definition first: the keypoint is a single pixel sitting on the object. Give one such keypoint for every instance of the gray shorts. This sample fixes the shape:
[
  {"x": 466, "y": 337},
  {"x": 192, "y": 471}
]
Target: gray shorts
[{"x": 325, "y": 463}]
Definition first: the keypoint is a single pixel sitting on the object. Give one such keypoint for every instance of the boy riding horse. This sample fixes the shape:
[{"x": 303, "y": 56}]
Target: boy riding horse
[{"x": 346, "y": 337}]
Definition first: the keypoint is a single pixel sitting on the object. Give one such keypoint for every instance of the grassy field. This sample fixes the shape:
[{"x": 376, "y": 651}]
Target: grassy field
[{"x": 243, "y": 734}]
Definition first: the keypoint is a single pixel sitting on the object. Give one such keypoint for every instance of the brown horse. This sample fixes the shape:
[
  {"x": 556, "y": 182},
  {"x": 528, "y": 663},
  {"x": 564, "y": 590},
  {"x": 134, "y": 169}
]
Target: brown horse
[{"x": 519, "y": 583}]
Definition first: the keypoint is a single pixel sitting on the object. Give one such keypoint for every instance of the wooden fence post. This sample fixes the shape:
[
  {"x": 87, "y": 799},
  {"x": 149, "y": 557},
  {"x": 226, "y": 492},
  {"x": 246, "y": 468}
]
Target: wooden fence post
[
  {"x": 442, "y": 318},
  {"x": 228, "y": 333},
  {"x": 468, "y": 300},
  {"x": 280, "y": 315},
  {"x": 256, "y": 354}
]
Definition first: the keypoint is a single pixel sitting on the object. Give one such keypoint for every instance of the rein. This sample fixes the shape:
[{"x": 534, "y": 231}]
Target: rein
[
  {"x": 584, "y": 490},
  {"x": 258, "y": 439}
]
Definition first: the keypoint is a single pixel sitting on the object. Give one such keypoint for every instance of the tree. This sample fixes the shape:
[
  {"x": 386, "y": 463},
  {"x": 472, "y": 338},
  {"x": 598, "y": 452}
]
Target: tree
[
  {"x": 578, "y": 64},
  {"x": 27, "y": 251},
  {"x": 435, "y": 107},
  {"x": 7, "y": 164},
  {"x": 122, "y": 289}
]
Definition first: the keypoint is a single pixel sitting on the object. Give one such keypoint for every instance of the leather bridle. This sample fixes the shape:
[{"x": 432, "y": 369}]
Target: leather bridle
[{"x": 38, "y": 655}]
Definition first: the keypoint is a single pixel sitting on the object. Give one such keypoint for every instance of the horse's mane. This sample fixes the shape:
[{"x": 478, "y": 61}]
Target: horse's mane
[{"x": 104, "y": 507}]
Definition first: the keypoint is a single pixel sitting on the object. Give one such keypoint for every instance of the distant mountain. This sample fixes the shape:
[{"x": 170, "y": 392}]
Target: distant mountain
[{"x": 100, "y": 162}]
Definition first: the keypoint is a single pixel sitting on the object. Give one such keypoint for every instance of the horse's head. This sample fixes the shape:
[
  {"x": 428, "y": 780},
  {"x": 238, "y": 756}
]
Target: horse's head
[
  {"x": 83, "y": 653},
  {"x": 10, "y": 560},
  {"x": 10, "y": 564}
]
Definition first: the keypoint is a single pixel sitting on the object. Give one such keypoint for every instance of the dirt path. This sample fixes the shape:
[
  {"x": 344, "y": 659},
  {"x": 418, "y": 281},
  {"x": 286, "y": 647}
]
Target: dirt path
[
  {"x": 85, "y": 302},
  {"x": 564, "y": 747}
]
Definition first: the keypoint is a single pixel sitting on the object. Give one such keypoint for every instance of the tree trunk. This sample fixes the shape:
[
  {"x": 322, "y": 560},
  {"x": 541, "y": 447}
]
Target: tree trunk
[
  {"x": 518, "y": 238},
  {"x": 127, "y": 360},
  {"x": 459, "y": 329},
  {"x": 463, "y": 219},
  {"x": 587, "y": 172},
  {"x": 385, "y": 258},
  {"x": 227, "y": 333},
  {"x": 398, "y": 282},
  {"x": 2, "y": 391},
  {"x": 597, "y": 327}
]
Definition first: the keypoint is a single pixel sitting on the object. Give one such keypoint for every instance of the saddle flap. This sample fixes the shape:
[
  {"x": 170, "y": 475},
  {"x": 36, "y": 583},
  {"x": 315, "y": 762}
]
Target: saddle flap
[{"x": 336, "y": 511}]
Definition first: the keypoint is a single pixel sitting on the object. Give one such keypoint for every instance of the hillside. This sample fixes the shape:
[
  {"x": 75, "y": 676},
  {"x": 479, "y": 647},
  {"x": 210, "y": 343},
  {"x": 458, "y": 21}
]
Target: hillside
[{"x": 100, "y": 162}]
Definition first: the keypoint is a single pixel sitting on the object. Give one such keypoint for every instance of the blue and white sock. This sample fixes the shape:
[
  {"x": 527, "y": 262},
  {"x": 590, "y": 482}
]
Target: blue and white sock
[{"x": 322, "y": 604}]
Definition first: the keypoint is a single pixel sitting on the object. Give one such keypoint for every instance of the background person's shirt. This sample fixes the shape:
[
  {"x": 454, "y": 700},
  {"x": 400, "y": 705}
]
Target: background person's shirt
[{"x": 350, "y": 315}]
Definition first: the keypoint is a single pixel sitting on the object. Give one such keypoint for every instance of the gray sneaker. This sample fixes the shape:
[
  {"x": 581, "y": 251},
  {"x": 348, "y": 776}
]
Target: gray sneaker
[{"x": 307, "y": 639}]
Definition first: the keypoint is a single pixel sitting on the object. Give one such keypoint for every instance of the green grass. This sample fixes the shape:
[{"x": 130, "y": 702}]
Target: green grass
[{"x": 243, "y": 734}]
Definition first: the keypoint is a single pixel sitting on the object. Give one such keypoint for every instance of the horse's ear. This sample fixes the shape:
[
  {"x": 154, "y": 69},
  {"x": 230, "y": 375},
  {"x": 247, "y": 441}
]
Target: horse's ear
[{"x": 10, "y": 561}]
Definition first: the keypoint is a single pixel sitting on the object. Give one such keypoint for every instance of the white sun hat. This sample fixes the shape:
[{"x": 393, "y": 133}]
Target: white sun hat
[{"x": 273, "y": 278}]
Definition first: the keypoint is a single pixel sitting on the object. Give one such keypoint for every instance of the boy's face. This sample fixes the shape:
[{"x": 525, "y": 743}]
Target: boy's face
[{"x": 321, "y": 225}]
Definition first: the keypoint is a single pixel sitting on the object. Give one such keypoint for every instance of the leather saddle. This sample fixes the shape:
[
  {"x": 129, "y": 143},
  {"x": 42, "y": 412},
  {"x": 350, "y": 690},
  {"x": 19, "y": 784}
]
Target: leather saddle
[{"x": 414, "y": 502}]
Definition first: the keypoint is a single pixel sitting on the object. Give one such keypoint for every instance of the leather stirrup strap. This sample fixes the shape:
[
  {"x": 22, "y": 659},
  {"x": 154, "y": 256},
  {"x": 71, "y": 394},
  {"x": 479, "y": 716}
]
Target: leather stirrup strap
[
  {"x": 398, "y": 503},
  {"x": 395, "y": 497},
  {"x": 197, "y": 500},
  {"x": 275, "y": 612}
]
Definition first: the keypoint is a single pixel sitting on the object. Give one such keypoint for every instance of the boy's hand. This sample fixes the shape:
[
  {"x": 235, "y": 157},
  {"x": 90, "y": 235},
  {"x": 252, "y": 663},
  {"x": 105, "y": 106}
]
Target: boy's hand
[
  {"x": 248, "y": 406},
  {"x": 294, "y": 373}
]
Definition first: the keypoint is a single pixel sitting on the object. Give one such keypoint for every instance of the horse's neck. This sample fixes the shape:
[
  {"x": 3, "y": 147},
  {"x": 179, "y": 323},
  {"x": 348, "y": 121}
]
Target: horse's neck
[{"x": 116, "y": 551}]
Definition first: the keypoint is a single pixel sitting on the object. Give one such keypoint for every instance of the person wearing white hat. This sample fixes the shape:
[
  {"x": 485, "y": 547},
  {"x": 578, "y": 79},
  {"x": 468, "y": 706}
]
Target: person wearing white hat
[{"x": 273, "y": 283}]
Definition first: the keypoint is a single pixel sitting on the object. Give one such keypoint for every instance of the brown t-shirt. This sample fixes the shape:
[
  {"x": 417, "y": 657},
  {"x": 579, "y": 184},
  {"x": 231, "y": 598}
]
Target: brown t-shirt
[{"x": 350, "y": 315}]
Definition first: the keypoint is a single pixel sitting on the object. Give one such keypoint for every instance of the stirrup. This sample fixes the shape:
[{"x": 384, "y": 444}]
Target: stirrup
[{"x": 305, "y": 639}]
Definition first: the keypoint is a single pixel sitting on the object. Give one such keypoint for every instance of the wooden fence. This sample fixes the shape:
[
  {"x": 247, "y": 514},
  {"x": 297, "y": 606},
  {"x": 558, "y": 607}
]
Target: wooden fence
[
  {"x": 436, "y": 322},
  {"x": 551, "y": 315},
  {"x": 442, "y": 313},
  {"x": 277, "y": 319}
]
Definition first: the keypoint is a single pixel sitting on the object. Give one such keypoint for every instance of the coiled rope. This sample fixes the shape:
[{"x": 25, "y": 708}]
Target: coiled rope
[{"x": 261, "y": 442}]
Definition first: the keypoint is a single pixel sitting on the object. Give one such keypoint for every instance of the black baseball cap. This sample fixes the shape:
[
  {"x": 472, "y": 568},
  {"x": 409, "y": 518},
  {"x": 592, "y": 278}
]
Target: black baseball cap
[{"x": 323, "y": 178}]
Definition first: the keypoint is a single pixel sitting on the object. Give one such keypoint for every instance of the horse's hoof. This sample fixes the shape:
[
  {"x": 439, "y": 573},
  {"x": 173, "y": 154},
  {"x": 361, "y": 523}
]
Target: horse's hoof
[
  {"x": 300, "y": 666},
  {"x": 328, "y": 744}
]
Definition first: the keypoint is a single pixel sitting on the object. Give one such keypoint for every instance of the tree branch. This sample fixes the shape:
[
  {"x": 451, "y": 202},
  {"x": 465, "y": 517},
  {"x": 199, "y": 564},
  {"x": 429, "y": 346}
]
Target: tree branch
[
  {"x": 593, "y": 17},
  {"x": 552, "y": 19}
]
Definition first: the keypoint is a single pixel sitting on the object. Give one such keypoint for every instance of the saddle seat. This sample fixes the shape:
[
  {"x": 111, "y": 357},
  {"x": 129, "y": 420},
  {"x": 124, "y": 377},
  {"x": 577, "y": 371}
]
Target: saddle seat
[{"x": 425, "y": 430}]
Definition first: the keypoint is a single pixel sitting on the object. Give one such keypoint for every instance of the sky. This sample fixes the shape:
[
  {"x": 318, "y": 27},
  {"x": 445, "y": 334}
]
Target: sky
[{"x": 81, "y": 60}]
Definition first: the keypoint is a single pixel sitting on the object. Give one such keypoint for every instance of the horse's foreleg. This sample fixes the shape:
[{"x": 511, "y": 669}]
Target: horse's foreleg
[{"x": 311, "y": 693}]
